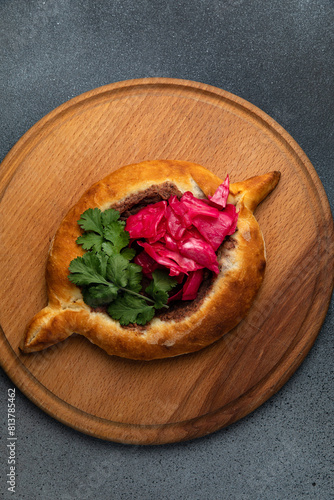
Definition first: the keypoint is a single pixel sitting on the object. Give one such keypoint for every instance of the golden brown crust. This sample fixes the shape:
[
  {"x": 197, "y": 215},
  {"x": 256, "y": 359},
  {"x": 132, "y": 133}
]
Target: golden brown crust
[{"x": 228, "y": 300}]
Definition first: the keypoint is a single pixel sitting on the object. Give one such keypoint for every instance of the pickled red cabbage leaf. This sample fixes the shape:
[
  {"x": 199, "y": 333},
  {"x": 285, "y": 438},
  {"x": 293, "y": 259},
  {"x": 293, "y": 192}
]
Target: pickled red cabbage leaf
[
  {"x": 192, "y": 284},
  {"x": 215, "y": 230},
  {"x": 174, "y": 261},
  {"x": 189, "y": 207},
  {"x": 149, "y": 222},
  {"x": 147, "y": 263},
  {"x": 201, "y": 252},
  {"x": 219, "y": 199}
]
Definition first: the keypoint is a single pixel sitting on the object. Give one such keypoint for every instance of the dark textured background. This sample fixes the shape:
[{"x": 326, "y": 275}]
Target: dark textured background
[{"x": 277, "y": 55}]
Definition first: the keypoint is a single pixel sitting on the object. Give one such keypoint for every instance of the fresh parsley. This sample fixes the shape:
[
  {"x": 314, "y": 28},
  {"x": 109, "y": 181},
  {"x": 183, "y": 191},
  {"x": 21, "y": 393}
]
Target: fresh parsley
[
  {"x": 107, "y": 276},
  {"x": 159, "y": 287},
  {"x": 89, "y": 269},
  {"x": 103, "y": 231},
  {"x": 130, "y": 309}
]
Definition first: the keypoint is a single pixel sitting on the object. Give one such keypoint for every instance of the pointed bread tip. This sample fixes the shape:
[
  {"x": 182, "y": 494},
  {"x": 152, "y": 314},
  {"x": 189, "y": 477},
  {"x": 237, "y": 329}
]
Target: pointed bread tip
[
  {"x": 255, "y": 189},
  {"x": 46, "y": 328}
]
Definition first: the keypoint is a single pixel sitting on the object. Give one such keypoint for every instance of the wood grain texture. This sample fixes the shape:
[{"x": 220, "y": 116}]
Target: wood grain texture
[{"x": 186, "y": 397}]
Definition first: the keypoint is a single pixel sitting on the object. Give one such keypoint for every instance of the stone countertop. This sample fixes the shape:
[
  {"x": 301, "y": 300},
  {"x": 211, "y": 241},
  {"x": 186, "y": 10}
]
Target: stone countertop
[{"x": 278, "y": 56}]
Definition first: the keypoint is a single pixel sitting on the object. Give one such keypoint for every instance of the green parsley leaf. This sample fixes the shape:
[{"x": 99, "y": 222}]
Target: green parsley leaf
[
  {"x": 107, "y": 248},
  {"x": 103, "y": 259},
  {"x": 159, "y": 287},
  {"x": 134, "y": 277},
  {"x": 117, "y": 270},
  {"x": 110, "y": 215},
  {"x": 91, "y": 220},
  {"x": 128, "y": 253},
  {"x": 88, "y": 269},
  {"x": 131, "y": 309},
  {"x": 160, "y": 298},
  {"x": 99, "y": 295},
  {"x": 107, "y": 275},
  {"x": 115, "y": 235},
  {"x": 90, "y": 241}
]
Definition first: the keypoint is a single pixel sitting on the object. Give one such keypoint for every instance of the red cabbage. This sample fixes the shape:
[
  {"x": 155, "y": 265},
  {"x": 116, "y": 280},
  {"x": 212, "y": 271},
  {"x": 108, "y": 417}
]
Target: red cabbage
[
  {"x": 149, "y": 222},
  {"x": 174, "y": 261},
  {"x": 215, "y": 230},
  {"x": 176, "y": 296},
  {"x": 195, "y": 206},
  {"x": 171, "y": 244},
  {"x": 180, "y": 212},
  {"x": 174, "y": 222},
  {"x": 183, "y": 236},
  {"x": 192, "y": 284},
  {"x": 219, "y": 199},
  {"x": 147, "y": 263},
  {"x": 201, "y": 252}
]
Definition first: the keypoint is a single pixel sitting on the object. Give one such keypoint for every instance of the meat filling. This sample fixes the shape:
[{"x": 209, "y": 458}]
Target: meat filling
[{"x": 135, "y": 202}]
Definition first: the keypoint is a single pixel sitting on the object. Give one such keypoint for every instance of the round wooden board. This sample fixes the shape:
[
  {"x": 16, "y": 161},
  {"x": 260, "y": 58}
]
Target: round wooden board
[{"x": 188, "y": 396}]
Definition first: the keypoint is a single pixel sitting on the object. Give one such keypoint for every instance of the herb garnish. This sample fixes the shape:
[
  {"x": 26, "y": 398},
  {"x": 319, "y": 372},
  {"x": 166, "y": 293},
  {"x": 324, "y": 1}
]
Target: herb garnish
[{"x": 108, "y": 277}]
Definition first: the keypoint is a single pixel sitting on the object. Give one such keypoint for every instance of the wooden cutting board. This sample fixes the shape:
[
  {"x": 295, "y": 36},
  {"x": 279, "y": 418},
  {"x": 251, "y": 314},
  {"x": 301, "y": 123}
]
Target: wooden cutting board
[{"x": 188, "y": 396}]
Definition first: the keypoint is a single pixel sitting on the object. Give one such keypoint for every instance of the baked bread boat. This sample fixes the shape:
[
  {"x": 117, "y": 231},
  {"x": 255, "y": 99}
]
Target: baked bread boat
[{"x": 223, "y": 297}]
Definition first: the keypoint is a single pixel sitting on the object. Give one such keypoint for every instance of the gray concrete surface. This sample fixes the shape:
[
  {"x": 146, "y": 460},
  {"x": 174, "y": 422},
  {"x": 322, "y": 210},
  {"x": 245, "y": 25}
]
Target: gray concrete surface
[{"x": 277, "y": 55}]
